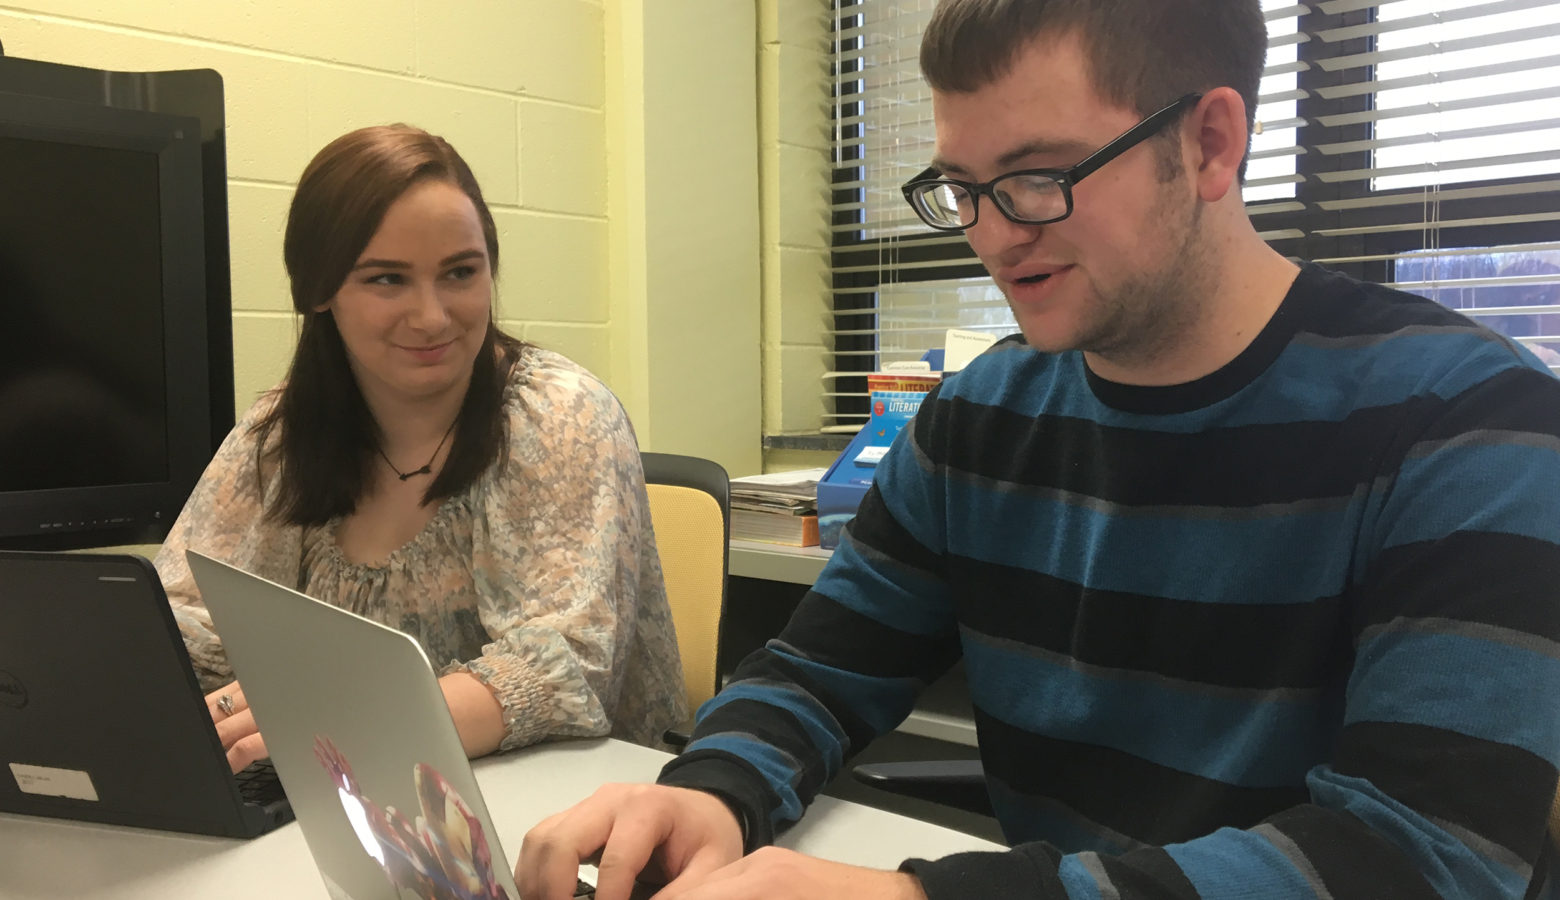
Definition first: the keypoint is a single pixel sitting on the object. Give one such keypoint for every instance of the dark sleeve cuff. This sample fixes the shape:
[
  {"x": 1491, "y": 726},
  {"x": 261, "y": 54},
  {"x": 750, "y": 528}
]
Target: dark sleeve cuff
[
  {"x": 1028, "y": 871},
  {"x": 734, "y": 781}
]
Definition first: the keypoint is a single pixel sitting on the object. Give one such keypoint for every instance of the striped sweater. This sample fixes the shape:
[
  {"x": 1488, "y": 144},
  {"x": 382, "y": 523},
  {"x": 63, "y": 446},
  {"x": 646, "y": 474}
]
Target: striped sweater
[{"x": 1289, "y": 630}]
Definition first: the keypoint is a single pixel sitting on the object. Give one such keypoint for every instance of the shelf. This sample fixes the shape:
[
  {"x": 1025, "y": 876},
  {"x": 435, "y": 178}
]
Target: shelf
[{"x": 776, "y": 562}]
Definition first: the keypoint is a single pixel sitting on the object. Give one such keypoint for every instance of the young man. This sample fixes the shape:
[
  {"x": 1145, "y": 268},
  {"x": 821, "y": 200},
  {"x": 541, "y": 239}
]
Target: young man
[{"x": 1252, "y": 566}]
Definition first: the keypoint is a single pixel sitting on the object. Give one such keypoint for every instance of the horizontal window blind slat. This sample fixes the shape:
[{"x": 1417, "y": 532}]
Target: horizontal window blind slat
[
  {"x": 1475, "y": 42},
  {"x": 1277, "y": 152},
  {"x": 905, "y": 266},
  {"x": 1267, "y": 209},
  {"x": 955, "y": 306},
  {"x": 1497, "y": 130},
  {"x": 1386, "y": 26},
  {"x": 1440, "y": 76},
  {"x": 1476, "y": 162},
  {"x": 1420, "y": 197},
  {"x": 1494, "y": 281},
  {"x": 1335, "y": 7},
  {"x": 1376, "y": 115},
  {"x": 1480, "y": 221},
  {"x": 1462, "y": 251}
]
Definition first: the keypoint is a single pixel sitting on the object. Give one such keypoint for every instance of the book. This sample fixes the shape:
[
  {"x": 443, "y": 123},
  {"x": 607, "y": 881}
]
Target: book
[
  {"x": 800, "y": 530},
  {"x": 779, "y": 508}
]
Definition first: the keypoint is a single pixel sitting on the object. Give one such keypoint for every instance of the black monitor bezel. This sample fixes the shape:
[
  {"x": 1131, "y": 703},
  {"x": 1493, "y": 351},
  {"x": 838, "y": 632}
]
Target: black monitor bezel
[{"x": 132, "y": 513}]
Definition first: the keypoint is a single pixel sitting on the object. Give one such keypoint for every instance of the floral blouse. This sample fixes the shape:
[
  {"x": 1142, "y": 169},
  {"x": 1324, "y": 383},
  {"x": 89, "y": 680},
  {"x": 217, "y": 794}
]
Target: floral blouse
[{"x": 541, "y": 579}]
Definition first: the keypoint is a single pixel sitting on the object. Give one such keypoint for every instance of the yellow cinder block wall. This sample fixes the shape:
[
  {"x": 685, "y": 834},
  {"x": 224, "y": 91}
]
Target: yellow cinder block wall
[
  {"x": 794, "y": 141},
  {"x": 516, "y": 86},
  {"x": 522, "y": 89}
]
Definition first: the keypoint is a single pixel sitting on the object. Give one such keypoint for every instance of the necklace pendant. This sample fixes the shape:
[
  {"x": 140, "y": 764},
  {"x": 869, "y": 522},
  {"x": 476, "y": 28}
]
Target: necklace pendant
[{"x": 425, "y": 470}]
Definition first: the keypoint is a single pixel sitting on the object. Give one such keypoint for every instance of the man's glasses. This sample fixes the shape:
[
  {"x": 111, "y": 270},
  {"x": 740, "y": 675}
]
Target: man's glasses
[{"x": 1028, "y": 196}]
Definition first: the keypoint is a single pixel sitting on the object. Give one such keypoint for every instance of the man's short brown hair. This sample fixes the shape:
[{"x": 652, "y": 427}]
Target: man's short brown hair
[{"x": 1143, "y": 53}]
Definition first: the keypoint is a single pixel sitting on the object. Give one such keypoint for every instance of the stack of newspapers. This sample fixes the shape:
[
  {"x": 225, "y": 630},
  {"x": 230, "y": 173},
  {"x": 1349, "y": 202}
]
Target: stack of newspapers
[{"x": 778, "y": 508}]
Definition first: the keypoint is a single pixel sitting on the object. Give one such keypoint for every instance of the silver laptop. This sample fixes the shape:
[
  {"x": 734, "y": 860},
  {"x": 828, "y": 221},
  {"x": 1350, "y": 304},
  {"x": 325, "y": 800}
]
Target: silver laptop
[
  {"x": 101, "y": 716},
  {"x": 362, "y": 738}
]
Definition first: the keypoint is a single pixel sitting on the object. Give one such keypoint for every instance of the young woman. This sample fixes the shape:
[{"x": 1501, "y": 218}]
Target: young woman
[{"x": 422, "y": 468}]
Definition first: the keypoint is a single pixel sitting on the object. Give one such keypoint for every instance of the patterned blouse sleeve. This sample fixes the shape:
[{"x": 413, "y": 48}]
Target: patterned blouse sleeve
[
  {"x": 557, "y": 539},
  {"x": 223, "y": 518}
]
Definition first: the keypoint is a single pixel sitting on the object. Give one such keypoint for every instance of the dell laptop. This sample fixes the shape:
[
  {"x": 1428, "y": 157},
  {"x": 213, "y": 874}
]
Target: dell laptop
[{"x": 101, "y": 716}]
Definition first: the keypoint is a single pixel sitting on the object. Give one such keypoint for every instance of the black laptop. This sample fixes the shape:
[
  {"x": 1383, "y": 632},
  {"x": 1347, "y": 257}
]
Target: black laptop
[{"x": 101, "y": 716}]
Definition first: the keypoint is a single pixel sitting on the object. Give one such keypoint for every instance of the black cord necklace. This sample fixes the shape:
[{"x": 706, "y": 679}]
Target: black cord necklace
[{"x": 427, "y": 467}]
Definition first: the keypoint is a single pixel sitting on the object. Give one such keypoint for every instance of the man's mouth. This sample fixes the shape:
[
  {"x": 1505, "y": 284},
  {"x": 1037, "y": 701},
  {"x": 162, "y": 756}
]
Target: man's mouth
[{"x": 1031, "y": 279}]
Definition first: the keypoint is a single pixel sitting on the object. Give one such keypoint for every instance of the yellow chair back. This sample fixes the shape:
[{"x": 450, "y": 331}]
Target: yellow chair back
[{"x": 690, "y": 533}]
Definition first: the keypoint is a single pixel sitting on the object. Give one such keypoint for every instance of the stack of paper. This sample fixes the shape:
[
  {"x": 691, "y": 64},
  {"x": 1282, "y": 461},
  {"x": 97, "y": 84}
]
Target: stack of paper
[{"x": 780, "y": 508}]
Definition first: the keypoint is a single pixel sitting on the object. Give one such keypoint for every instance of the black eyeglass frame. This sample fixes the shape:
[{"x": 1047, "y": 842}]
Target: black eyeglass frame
[{"x": 1064, "y": 178}]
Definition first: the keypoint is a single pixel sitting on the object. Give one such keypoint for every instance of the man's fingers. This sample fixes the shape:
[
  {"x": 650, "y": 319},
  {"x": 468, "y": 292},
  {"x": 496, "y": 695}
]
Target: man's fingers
[
  {"x": 634, "y": 838},
  {"x": 551, "y": 854},
  {"x": 704, "y": 868}
]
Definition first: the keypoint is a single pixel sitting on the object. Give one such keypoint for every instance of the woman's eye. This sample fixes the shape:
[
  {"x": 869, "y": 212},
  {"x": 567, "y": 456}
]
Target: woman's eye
[
  {"x": 461, "y": 273},
  {"x": 384, "y": 278}
]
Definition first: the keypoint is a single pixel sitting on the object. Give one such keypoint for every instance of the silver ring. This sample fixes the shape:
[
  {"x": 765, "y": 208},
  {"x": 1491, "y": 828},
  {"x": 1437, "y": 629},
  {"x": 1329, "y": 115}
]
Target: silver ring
[{"x": 225, "y": 703}]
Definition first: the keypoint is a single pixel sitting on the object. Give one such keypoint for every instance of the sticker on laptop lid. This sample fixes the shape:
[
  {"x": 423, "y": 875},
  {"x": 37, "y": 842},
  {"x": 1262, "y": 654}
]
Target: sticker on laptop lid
[
  {"x": 49, "y": 782},
  {"x": 438, "y": 852}
]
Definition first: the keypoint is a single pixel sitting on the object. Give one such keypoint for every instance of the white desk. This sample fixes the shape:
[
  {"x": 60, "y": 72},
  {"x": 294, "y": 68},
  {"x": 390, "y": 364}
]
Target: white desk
[
  {"x": 47, "y": 858},
  {"x": 776, "y": 562}
]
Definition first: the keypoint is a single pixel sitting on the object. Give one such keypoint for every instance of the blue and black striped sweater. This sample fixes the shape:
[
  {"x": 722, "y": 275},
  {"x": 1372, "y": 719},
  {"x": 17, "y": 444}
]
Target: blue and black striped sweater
[{"x": 1290, "y": 630}]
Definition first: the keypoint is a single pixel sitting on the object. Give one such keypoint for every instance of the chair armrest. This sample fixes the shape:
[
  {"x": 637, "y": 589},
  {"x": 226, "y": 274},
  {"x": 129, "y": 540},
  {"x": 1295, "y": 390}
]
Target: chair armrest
[{"x": 959, "y": 783}]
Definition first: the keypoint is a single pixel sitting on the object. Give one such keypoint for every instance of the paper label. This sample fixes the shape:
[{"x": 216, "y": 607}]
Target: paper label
[
  {"x": 962, "y": 346},
  {"x": 47, "y": 782},
  {"x": 870, "y": 456}
]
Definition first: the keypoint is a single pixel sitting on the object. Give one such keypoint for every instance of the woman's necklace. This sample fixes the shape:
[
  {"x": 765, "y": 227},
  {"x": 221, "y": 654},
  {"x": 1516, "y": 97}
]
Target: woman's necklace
[{"x": 427, "y": 467}]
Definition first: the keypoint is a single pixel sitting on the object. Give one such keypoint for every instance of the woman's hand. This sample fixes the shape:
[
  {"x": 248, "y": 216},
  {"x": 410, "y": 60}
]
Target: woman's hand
[{"x": 236, "y": 726}]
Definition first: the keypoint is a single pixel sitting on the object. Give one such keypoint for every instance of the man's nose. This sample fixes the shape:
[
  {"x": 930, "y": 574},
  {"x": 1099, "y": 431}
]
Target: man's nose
[{"x": 993, "y": 232}]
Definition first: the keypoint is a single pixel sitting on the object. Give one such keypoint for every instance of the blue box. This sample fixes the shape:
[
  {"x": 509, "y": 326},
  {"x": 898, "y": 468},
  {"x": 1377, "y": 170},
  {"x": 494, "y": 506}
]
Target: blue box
[{"x": 842, "y": 487}]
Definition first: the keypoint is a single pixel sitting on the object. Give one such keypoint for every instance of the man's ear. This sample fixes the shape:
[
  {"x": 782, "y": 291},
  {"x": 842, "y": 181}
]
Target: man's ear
[{"x": 1218, "y": 141}]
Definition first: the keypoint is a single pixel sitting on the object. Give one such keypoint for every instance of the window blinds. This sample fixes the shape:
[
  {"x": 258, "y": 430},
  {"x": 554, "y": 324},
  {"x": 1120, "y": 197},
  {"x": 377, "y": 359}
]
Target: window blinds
[{"x": 1410, "y": 142}]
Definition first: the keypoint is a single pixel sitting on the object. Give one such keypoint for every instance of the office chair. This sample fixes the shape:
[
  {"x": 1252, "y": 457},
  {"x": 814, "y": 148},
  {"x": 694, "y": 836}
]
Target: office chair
[
  {"x": 690, "y": 506},
  {"x": 957, "y": 783}
]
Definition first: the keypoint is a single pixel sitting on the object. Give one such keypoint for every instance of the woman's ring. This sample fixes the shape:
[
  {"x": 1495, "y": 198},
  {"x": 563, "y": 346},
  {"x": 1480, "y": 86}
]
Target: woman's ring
[{"x": 225, "y": 703}]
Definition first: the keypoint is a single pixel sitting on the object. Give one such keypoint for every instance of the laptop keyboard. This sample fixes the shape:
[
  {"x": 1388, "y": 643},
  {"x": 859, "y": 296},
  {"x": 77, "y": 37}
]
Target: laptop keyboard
[
  {"x": 583, "y": 891},
  {"x": 259, "y": 784}
]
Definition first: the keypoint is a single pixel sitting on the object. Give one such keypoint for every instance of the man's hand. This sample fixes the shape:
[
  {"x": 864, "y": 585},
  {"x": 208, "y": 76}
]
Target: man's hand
[
  {"x": 236, "y": 727},
  {"x": 674, "y": 834},
  {"x": 771, "y": 873}
]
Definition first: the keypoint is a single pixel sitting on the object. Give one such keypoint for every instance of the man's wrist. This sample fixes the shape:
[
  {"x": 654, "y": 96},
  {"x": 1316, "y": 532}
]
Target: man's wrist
[
  {"x": 909, "y": 887},
  {"x": 738, "y": 813},
  {"x": 735, "y": 782}
]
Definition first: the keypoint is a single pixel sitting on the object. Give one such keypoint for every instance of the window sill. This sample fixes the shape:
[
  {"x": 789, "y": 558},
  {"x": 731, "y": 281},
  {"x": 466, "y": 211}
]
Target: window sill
[{"x": 829, "y": 442}]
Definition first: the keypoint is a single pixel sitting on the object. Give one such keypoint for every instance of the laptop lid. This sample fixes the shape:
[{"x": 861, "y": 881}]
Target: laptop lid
[
  {"x": 101, "y": 716},
  {"x": 361, "y": 735}
]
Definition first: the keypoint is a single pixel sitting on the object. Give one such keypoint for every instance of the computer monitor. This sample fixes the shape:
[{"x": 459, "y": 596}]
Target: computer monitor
[{"x": 117, "y": 386}]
